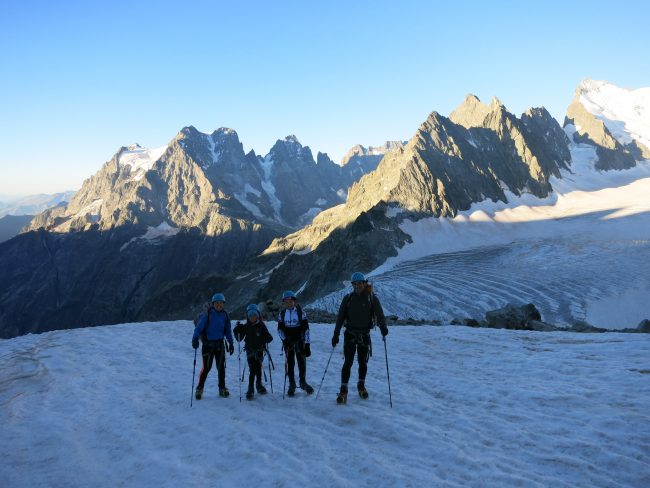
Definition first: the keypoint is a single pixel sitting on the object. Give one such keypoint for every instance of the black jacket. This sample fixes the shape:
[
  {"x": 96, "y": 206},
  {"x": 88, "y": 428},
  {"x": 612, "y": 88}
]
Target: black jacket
[
  {"x": 255, "y": 336},
  {"x": 357, "y": 311}
]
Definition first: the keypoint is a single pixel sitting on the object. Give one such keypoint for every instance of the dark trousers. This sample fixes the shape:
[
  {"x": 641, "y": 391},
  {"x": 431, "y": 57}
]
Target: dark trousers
[
  {"x": 359, "y": 344},
  {"x": 295, "y": 352},
  {"x": 255, "y": 360},
  {"x": 213, "y": 350}
]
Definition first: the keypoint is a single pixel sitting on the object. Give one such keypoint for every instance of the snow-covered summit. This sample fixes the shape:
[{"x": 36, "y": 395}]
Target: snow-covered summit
[
  {"x": 625, "y": 112},
  {"x": 140, "y": 159}
]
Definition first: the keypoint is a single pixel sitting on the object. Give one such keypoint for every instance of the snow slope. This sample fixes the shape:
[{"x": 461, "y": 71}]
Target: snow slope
[
  {"x": 626, "y": 113},
  {"x": 109, "y": 406},
  {"x": 140, "y": 159}
]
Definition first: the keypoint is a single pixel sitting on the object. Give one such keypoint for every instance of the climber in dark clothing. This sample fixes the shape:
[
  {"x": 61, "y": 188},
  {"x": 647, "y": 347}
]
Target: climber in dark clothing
[
  {"x": 255, "y": 336},
  {"x": 358, "y": 311},
  {"x": 293, "y": 329},
  {"x": 213, "y": 327}
]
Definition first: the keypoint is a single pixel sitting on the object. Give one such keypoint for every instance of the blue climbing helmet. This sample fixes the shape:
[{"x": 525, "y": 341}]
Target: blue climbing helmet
[
  {"x": 288, "y": 294},
  {"x": 356, "y": 276},
  {"x": 251, "y": 310},
  {"x": 218, "y": 297}
]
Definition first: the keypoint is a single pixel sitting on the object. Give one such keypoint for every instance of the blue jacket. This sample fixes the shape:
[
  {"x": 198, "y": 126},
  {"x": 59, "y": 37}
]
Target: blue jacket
[{"x": 216, "y": 328}]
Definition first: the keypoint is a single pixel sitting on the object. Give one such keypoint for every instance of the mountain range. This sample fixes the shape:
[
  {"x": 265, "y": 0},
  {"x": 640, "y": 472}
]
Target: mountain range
[
  {"x": 33, "y": 204},
  {"x": 480, "y": 153},
  {"x": 17, "y": 213},
  {"x": 196, "y": 207},
  {"x": 156, "y": 231}
]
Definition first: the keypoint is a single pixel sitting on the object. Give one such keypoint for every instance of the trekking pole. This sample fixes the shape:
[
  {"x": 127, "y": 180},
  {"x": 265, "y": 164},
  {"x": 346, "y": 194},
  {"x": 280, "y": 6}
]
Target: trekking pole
[
  {"x": 270, "y": 364},
  {"x": 284, "y": 388},
  {"x": 270, "y": 358},
  {"x": 390, "y": 396},
  {"x": 193, "y": 373},
  {"x": 326, "y": 366},
  {"x": 239, "y": 367}
]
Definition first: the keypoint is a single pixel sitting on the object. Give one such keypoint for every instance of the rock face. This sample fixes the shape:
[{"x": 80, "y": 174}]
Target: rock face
[
  {"x": 586, "y": 327},
  {"x": 11, "y": 225},
  {"x": 644, "y": 326},
  {"x": 51, "y": 281},
  {"x": 513, "y": 317},
  {"x": 302, "y": 187},
  {"x": 361, "y": 160}
]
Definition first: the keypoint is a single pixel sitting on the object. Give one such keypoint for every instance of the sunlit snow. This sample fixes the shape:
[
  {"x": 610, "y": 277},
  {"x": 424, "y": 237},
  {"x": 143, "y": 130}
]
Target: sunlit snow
[
  {"x": 140, "y": 159},
  {"x": 110, "y": 406}
]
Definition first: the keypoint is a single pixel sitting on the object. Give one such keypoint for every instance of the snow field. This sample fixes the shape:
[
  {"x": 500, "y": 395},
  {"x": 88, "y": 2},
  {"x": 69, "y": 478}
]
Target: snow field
[
  {"x": 568, "y": 280},
  {"x": 109, "y": 406}
]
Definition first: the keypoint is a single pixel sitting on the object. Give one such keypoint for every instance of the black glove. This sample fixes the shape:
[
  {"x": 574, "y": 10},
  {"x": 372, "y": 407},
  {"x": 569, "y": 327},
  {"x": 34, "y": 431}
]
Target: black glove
[
  {"x": 195, "y": 342},
  {"x": 231, "y": 348},
  {"x": 335, "y": 340},
  {"x": 384, "y": 331},
  {"x": 238, "y": 332},
  {"x": 307, "y": 350}
]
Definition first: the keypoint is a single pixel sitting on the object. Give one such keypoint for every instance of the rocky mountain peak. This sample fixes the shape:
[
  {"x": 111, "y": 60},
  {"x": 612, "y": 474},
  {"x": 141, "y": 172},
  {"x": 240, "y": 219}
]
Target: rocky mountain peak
[
  {"x": 225, "y": 131},
  {"x": 187, "y": 132},
  {"x": 225, "y": 135},
  {"x": 323, "y": 159},
  {"x": 358, "y": 151},
  {"x": 290, "y": 151},
  {"x": 496, "y": 104},
  {"x": 292, "y": 139},
  {"x": 473, "y": 113},
  {"x": 540, "y": 112}
]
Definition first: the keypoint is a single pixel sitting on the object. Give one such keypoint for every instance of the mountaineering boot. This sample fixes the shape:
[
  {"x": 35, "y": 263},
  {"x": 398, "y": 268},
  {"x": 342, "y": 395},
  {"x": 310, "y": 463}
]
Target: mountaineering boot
[
  {"x": 292, "y": 389},
  {"x": 198, "y": 393},
  {"x": 361, "y": 388},
  {"x": 306, "y": 386},
  {"x": 250, "y": 393},
  {"x": 342, "y": 397},
  {"x": 260, "y": 388},
  {"x": 223, "y": 392}
]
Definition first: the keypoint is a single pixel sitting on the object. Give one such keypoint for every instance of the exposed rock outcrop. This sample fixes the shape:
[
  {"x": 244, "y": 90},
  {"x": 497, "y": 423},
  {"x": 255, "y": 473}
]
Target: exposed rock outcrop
[{"x": 518, "y": 317}]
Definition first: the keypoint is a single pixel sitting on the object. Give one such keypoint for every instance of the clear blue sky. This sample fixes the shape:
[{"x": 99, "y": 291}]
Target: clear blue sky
[{"x": 80, "y": 79}]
